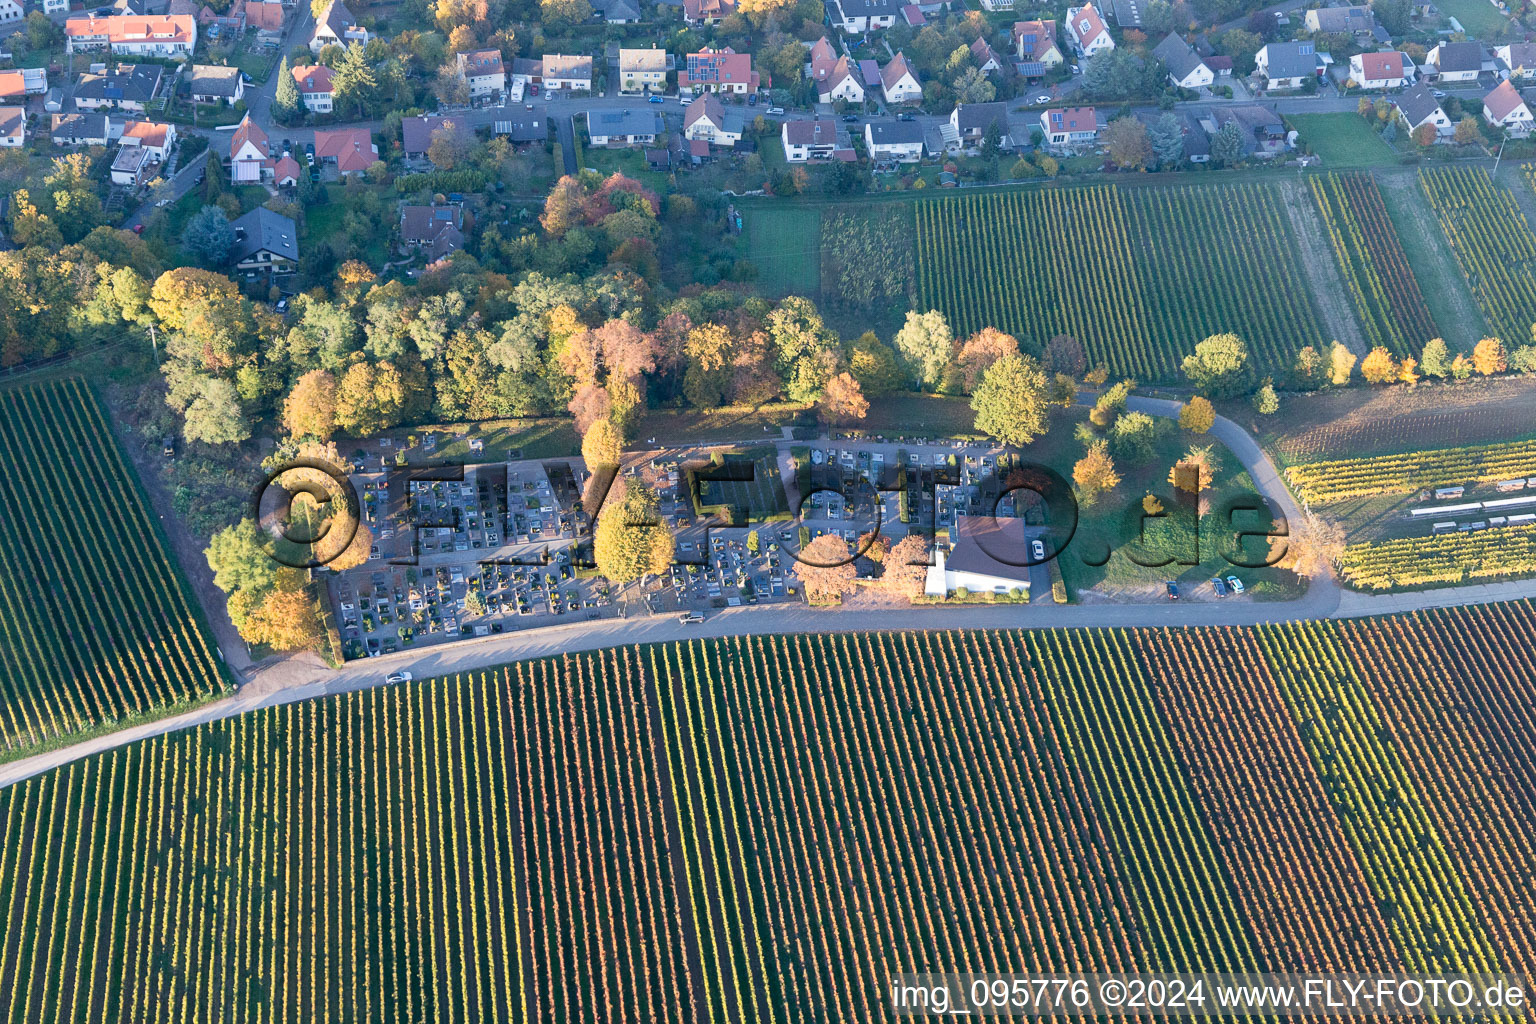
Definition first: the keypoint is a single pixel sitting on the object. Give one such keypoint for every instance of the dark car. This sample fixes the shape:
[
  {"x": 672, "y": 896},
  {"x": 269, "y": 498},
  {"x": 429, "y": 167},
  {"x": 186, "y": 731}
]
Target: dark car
[
  {"x": 850, "y": 118},
  {"x": 1219, "y": 586},
  {"x": 168, "y": 446},
  {"x": 1173, "y": 591},
  {"x": 906, "y": 117}
]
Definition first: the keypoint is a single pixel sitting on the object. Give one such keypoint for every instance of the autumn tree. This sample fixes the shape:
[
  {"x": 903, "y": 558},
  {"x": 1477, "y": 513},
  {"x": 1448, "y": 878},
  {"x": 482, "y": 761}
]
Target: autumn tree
[
  {"x": 1095, "y": 472},
  {"x": 707, "y": 379},
  {"x": 285, "y": 620},
  {"x": 1489, "y": 357},
  {"x": 1196, "y": 471},
  {"x": 310, "y": 409},
  {"x": 631, "y": 540},
  {"x": 1012, "y": 400},
  {"x": 1435, "y": 359},
  {"x": 1378, "y": 366},
  {"x": 1064, "y": 354},
  {"x": 1467, "y": 131},
  {"x": 1128, "y": 144},
  {"x": 1197, "y": 415},
  {"x": 926, "y": 345},
  {"x": 370, "y": 399},
  {"x": 873, "y": 364},
  {"x": 844, "y": 401},
  {"x": 905, "y": 567},
  {"x": 980, "y": 351},
  {"x": 826, "y": 569},
  {"x": 1311, "y": 549},
  {"x": 1266, "y": 402},
  {"x": 1341, "y": 364},
  {"x": 1219, "y": 366}
]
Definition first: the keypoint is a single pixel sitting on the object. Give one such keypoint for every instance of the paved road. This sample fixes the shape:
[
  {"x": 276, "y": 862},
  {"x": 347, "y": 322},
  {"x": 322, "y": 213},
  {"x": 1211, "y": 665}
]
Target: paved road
[
  {"x": 565, "y": 129},
  {"x": 304, "y": 677},
  {"x": 183, "y": 182}
]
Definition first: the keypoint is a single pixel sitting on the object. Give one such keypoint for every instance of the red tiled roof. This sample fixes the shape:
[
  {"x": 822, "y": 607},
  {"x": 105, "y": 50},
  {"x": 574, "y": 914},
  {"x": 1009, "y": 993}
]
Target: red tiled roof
[
  {"x": 312, "y": 77},
  {"x": 351, "y": 148},
  {"x": 1382, "y": 66},
  {"x": 1502, "y": 101}
]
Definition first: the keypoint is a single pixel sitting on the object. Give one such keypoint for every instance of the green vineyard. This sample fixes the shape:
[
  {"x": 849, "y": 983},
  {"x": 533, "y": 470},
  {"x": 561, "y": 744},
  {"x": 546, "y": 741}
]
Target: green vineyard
[
  {"x": 1493, "y": 243},
  {"x": 1137, "y": 275},
  {"x": 766, "y": 829},
  {"x": 1381, "y": 285},
  {"x": 1337, "y": 479},
  {"x": 97, "y": 626}
]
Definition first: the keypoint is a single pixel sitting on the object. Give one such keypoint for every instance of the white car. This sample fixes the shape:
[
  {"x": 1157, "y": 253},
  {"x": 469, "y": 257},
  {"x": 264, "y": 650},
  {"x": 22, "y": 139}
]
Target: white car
[
  {"x": 1236, "y": 584},
  {"x": 1038, "y": 549},
  {"x": 776, "y": 111},
  {"x": 398, "y": 677}
]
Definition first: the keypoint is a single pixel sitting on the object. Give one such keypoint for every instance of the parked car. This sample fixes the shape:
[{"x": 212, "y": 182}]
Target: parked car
[
  {"x": 691, "y": 617},
  {"x": 138, "y": 229},
  {"x": 776, "y": 110},
  {"x": 1173, "y": 591},
  {"x": 850, "y": 118},
  {"x": 653, "y": 99},
  {"x": 168, "y": 446},
  {"x": 752, "y": 100},
  {"x": 1037, "y": 548},
  {"x": 1236, "y": 584},
  {"x": 1218, "y": 586},
  {"x": 398, "y": 677}
]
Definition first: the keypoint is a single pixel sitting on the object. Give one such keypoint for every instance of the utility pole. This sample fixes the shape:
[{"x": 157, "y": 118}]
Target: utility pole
[{"x": 1499, "y": 157}]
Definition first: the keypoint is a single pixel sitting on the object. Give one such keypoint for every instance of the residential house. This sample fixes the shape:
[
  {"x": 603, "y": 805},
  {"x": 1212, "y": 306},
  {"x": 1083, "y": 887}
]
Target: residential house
[
  {"x": 997, "y": 5},
  {"x": 55, "y": 7},
  {"x": 898, "y": 81},
  {"x": 1506, "y": 108},
  {"x": 893, "y": 141},
  {"x": 211, "y": 83},
  {"x": 809, "y": 140},
  {"x": 1034, "y": 44},
  {"x": 971, "y": 122},
  {"x": 132, "y": 7},
  {"x": 913, "y": 15},
  {"x": 23, "y": 82},
  {"x": 153, "y": 138},
  {"x": 1262, "y": 131},
  {"x": 1391, "y": 69},
  {"x": 265, "y": 240},
  {"x": 1068, "y": 129},
  {"x": 571, "y": 73},
  {"x": 623, "y": 126},
  {"x": 823, "y": 60},
  {"x": 286, "y": 171},
  {"x": 987, "y": 59},
  {"x": 1418, "y": 106},
  {"x": 860, "y": 16},
  {"x": 130, "y": 166},
  {"x": 522, "y": 128},
  {"x": 642, "y": 71},
  {"x": 1519, "y": 59},
  {"x": 616, "y": 12},
  {"x": 1220, "y": 64},
  {"x": 1456, "y": 62},
  {"x": 127, "y": 87},
  {"x": 165, "y": 35},
  {"x": 11, "y": 15},
  {"x": 1288, "y": 65},
  {"x": 336, "y": 26},
  {"x": 316, "y": 86},
  {"x": 707, "y": 12},
  {"x": 1353, "y": 21},
  {"x": 1087, "y": 31},
  {"x": 416, "y": 132},
  {"x": 1197, "y": 144},
  {"x": 82, "y": 130},
  {"x": 706, "y": 119},
  {"x": 526, "y": 72},
  {"x": 349, "y": 150},
  {"x": 1186, "y": 70},
  {"x": 13, "y": 127},
  {"x": 484, "y": 72},
  {"x": 250, "y": 154},
  {"x": 842, "y": 83},
  {"x": 722, "y": 71},
  {"x": 436, "y": 230},
  {"x": 1125, "y": 13},
  {"x": 264, "y": 15}
]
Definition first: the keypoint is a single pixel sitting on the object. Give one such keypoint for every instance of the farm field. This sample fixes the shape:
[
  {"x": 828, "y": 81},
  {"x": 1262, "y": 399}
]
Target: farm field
[
  {"x": 1116, "y": 269},
  {"x": 1343, "y": 140},
  {"x": 1493, "y": 244},
  {"x": 1480, "y": 19},
  {"x": 1381, "y": 285},
  {"x": 1337, "y": 479},
  {"x": 785, "y": 244},
  {"x": 765, "y": 828},
  {"x": 97, "y": 627}
]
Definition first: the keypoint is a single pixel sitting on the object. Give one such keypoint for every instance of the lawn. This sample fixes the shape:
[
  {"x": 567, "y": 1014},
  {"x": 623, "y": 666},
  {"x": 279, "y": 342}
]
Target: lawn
[
  {"x": 548, "y": 437},
  {"x": 785, "y": 243},
  {"x": 629, "y": 162},
  {"x": 1343, "y": 140},
  {"x": 671, "y": 427},
  {"x": 1480, "y": 18}
]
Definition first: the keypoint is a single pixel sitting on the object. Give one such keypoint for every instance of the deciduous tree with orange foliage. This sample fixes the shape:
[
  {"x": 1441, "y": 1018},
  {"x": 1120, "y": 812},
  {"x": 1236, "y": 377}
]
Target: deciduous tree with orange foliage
[{"x": 825, "y": 569}]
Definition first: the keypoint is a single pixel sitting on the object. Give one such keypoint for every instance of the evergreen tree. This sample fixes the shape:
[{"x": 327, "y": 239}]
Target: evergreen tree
[
  {"x": 355, "y": 82},
  {"x": 287, "y": 99}
]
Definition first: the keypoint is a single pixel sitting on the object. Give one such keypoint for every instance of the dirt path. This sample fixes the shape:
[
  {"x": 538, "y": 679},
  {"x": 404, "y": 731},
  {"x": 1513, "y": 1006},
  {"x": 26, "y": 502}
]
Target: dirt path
[
  {"x": 1322, "y": 270},
  {"x": 1433, "y": 264}
]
